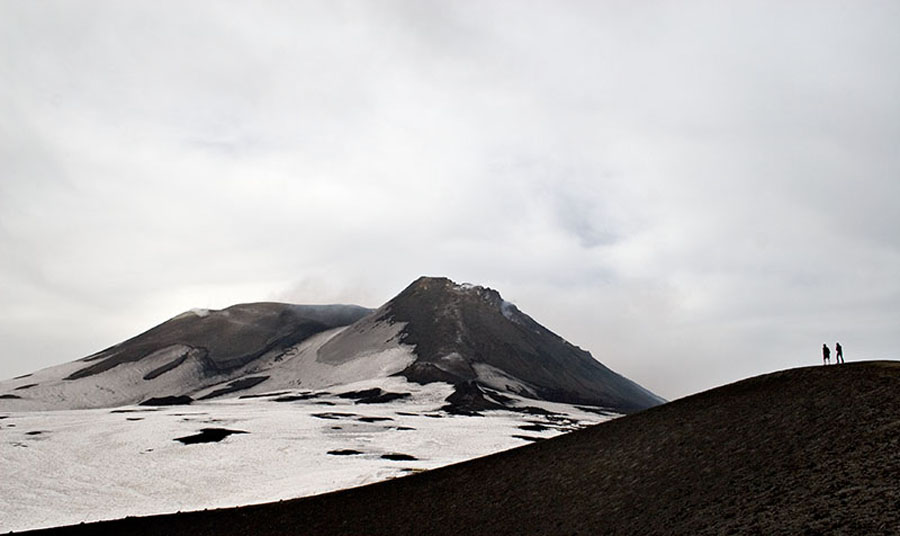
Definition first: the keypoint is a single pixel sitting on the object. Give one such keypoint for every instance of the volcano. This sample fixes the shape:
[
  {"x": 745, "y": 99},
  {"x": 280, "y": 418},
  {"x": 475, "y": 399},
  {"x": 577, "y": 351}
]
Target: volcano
[
  {"x": 433, "y": 331},
  {"x": 264, "y": 402}
]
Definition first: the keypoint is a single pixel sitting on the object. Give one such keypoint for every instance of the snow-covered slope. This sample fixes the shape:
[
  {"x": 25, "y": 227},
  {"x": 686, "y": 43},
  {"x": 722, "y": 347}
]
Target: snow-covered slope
[
  {"x": 196, "y": 352},
  {"x": 64, "y": 467}
]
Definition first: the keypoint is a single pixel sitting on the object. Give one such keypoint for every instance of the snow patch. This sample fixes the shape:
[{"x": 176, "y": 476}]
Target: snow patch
[
  {"x": 500, "y": 380},
  {"x": 450, "y": 361},
  {"x": 367, "y": 350},
  {"x": 195, "y": 312}
]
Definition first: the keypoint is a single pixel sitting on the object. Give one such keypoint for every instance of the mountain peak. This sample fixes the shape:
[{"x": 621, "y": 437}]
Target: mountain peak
[
  {"x": 444, "y": 283},
  {"x": 441, "y": 291},
  {"x": 426, "y": 281},
  {"x": 466, "y": 333}
]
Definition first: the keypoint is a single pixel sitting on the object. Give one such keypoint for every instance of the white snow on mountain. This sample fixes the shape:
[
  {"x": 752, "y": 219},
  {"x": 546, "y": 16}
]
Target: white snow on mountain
[
  {"x": 371, "y": 350},
  {"x": 64, "y": 467},
  {"x": 496, "y": 378}
]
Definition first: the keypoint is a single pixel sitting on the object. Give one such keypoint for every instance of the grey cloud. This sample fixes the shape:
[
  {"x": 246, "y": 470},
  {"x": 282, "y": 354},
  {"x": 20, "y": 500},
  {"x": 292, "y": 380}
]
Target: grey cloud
[{"x": 695, "y": 191}]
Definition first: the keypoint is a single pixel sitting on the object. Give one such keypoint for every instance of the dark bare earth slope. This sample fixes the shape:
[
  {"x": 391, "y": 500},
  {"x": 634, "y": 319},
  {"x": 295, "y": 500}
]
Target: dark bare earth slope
[
  {"x": 455, "y": 328},
  {"x": 226, "y": 339},
  {"x": 805, "y": 451}
]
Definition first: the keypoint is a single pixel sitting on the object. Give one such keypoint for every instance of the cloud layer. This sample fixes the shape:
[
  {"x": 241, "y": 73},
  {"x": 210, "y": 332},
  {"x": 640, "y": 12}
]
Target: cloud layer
[{"x": 694, "y": 191}]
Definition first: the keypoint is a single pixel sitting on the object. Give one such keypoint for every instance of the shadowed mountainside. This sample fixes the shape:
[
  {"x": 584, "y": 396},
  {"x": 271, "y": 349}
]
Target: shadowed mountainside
[
  {"x": 225, "y": 339},
  {"x": 805, "y": 451},
  {"x": 466, "y": 333}
]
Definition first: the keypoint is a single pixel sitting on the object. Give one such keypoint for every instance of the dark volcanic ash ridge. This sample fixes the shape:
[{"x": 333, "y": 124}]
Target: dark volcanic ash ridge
[
  {"x": 467, "y": 333},
  {"x": 225, "y": 339}
]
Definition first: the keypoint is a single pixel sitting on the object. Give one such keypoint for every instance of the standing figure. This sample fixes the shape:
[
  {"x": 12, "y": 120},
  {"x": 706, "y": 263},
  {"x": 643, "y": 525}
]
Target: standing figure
[
  {"x": 826, "y": 353},
  {"x": 838, "y": 353}
]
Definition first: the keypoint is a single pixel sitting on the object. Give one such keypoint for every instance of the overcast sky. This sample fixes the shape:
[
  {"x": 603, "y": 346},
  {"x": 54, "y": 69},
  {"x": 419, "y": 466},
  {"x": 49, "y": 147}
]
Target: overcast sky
[{"x": 696, "y": 192}]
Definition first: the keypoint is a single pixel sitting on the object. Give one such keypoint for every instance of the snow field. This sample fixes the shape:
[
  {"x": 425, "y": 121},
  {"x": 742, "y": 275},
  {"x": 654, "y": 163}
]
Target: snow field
[{"x": 93, "y": 464}]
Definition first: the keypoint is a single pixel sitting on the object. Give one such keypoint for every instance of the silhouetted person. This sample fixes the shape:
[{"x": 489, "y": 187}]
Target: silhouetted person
[
  {"x": 838, "y": 353},
  {"x": 826, "y": 353}
]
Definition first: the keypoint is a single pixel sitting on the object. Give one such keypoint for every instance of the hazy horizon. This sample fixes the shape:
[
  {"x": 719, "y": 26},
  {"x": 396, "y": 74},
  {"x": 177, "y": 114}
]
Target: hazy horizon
[{"x": 695, "y": 192}]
